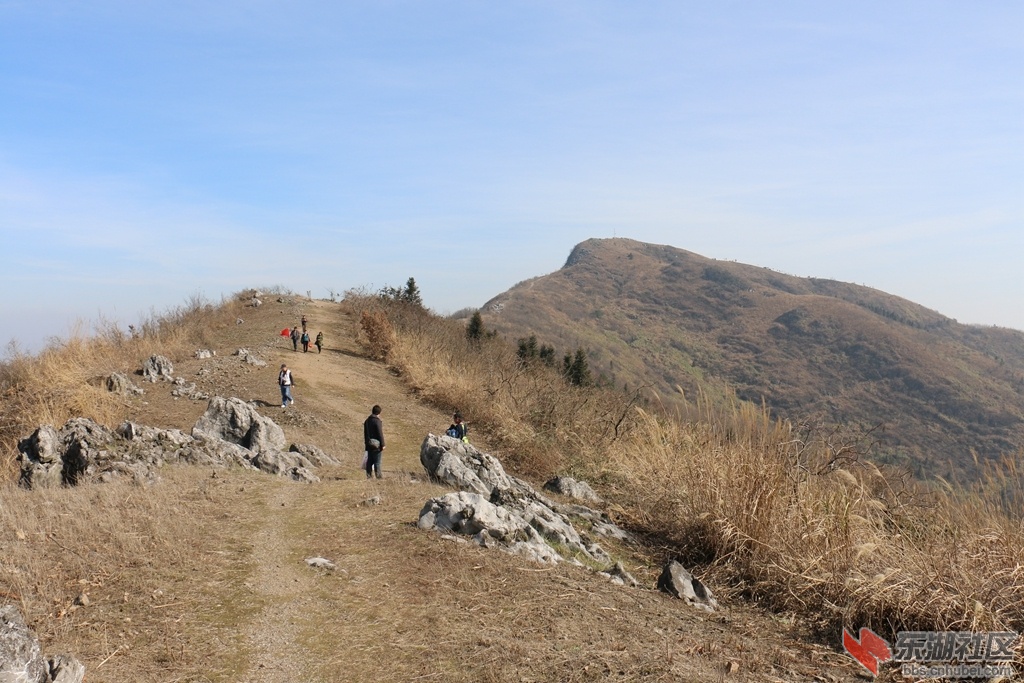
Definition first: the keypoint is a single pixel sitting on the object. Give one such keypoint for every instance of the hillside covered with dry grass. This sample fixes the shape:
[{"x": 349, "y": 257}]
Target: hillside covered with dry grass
[
  {"x": 942, "y": 395},
  {"x": 201, "y": 576}
]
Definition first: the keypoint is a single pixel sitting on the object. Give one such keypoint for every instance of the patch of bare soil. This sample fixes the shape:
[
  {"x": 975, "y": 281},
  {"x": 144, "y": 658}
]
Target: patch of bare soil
[{"x": 403, "y": 604}]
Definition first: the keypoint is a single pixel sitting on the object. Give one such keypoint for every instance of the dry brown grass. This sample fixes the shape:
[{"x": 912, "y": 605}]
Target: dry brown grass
[
  {"x": 844, "y": 544},
  {"x": 66, "y": 379},
  {"x": 797, "y": 521},
  {"x": 153, "y": 564}
]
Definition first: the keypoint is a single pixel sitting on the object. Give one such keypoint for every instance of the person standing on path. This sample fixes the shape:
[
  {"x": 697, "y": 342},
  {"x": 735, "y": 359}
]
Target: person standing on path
[
  {"x": 373, "y": 440},
  {"x": 305, "y": 342},
  {"x": 319, "y": 342},
  {"x": 303, "y": 323},
  {"x": 284, "y": 380},
  {"x": 295, "y": 338}
]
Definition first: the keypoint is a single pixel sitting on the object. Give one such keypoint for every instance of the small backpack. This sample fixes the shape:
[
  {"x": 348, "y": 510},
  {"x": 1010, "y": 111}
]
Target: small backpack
[{"x": 456, "y": 433}]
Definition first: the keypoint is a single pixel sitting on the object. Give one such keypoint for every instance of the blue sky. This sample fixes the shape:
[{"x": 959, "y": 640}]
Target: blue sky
[{"x": 151, "y": 151}]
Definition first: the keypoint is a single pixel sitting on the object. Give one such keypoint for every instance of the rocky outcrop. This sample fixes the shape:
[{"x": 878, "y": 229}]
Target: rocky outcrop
[
  {"x": 600, "y": 523},
  {"x": 571, "y": 488},
  {"x": 314, "y": 455},
  {"x": 290, "y": 464},
  {"x": 157, "y": 368},
  {"x": 50, "y": 457},
  {"x": 462, "y": 466},
  {"x": 118, "y": 383},
  {"x": 251, "y": 359},
  {"x": 234, "y": 420},
  {"x": 183, "y": 389},
  {"x": 66, "y": 669},
  {"x": 496, "y": 509},
  {"x": 42, "y": 457},
  {"x": 21, "y": 659},
  {"x": 490, "y": 525},
  {"x": 83, "y": 450},
  {"x": 230, "y": 433},
  {"x": 620, "y": 576},
  {"x": 679, "y": 583}
]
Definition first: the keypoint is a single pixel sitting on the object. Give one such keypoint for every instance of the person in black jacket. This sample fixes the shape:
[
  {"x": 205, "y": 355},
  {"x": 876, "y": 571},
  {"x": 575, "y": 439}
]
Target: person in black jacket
[{"x": 373, "y": 441}]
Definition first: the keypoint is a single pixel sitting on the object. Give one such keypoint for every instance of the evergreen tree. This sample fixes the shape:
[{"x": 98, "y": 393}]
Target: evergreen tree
[
  {"x": 579, "y": 369},
  {"x": 528, "y": 348},
  {"x": 475, "y": 329},
  {"x": 411, "y": 295},
  {"x": 547, "y": 355},
  {"x": 390, "y": 293}
]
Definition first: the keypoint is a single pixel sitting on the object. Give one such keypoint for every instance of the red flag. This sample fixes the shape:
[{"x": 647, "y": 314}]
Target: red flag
[{"x": 285, "y": 332}]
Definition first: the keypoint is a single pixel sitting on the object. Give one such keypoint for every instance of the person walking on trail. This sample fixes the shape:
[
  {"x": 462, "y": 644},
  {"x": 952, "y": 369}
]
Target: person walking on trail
[
  {"x": 285, "y": 381},
  {"x": 458, "y": 429},
  {"x": 295, "y": 338},
  {"x": 319, "y": 342},
  {"x": 305, "y": 342},
  {"x": 373, "y": 440},
  {"x": 303, "y": 323}
]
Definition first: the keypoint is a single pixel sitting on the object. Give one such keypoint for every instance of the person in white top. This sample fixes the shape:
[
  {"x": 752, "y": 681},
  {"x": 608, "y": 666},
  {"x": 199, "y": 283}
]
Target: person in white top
[{"x": 284, "y": 379}]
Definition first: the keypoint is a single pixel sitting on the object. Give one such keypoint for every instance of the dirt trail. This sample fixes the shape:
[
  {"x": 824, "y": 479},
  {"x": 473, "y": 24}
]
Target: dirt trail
[
  {"x": 339, "y": 387},
  {"x": 281, "y": 585}
]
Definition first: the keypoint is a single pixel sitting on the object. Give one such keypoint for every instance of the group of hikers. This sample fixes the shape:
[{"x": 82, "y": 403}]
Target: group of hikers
[
  {"x": 284, "y": 378},
  {"x": 303, "y": 338},
  {"x": 373, "y": 426}
]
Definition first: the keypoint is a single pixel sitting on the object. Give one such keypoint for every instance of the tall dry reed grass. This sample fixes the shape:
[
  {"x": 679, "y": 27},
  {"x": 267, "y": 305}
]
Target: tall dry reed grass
[{"x": 798, "y": 520}]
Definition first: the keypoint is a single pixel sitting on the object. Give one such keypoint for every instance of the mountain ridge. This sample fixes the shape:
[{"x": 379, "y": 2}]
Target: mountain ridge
[{"x": 947, "y": 393}]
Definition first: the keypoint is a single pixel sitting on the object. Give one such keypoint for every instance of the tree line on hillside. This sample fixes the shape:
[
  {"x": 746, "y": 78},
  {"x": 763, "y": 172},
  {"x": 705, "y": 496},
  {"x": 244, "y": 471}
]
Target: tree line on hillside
[{"x": 575, "y": 367}]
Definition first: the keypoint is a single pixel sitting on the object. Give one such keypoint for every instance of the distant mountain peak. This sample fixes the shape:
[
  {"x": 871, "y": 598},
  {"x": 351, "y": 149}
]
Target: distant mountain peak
[{"x": 668, "y": 318}]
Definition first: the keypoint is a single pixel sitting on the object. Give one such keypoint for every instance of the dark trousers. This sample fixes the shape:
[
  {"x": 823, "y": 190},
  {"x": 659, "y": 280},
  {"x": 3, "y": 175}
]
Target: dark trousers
[{"x": 373, "y": 463}]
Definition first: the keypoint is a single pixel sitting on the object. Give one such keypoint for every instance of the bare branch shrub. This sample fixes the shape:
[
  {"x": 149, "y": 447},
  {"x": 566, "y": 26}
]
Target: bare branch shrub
[{"x": 380, "y": 335}]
